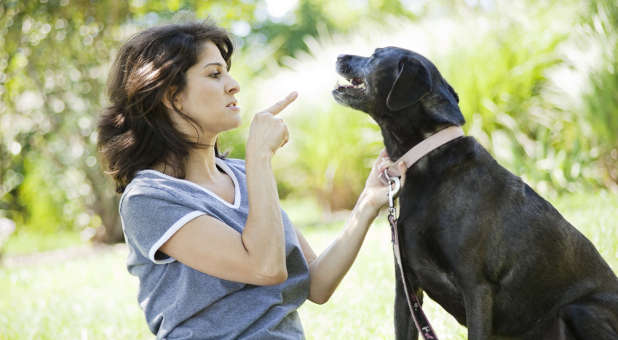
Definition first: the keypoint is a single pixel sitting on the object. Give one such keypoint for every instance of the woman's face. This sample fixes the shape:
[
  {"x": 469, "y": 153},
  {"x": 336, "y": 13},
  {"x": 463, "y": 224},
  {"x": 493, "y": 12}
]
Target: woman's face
[{"x": 209, "y": 95}]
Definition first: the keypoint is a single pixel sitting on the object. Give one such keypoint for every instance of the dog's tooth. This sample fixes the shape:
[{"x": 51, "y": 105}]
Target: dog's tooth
[{"x": 340, "y": 82}]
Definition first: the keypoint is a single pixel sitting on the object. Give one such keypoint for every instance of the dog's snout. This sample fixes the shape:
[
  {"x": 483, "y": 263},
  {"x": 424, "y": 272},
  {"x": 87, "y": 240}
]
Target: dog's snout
[
  {"x": 342, "y": 64},
  {"x": 349, "y": 64},
  {"x": 343, "y": 68},
  {"x": 348, "y": 59}
]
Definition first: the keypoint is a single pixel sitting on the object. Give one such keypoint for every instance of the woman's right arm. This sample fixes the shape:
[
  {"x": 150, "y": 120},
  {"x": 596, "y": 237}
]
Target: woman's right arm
[{"x": 257, "y": 255}]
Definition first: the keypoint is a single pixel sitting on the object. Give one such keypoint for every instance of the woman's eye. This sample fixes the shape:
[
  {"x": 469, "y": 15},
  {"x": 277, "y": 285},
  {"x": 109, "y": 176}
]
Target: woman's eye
[{"x": 215, "y": 75}]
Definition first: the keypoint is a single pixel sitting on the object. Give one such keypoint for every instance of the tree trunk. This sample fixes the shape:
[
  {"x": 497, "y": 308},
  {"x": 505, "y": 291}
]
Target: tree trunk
[{"x": 106, "y": 206}]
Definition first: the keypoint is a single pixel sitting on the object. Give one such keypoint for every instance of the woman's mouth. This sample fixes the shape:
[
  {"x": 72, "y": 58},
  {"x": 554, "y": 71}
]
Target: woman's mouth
[{"x": 232, "y": 106}]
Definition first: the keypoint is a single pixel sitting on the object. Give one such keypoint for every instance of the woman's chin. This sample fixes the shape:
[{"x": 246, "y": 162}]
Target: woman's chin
[
  {"x": 238, "y": 120},
  {"x": 233, "y": 123}
]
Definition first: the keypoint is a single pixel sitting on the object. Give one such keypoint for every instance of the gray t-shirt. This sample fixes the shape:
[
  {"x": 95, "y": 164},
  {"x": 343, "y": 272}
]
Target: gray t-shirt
[{"x": 182, "y": 303}]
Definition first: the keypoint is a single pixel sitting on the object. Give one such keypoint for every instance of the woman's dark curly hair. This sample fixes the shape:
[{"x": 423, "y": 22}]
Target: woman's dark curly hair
[{"x": 135, "y": 132}]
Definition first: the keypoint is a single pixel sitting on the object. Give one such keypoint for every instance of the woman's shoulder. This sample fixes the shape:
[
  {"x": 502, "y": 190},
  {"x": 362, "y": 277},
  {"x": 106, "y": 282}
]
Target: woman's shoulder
[{"x": 153, "y": 184}]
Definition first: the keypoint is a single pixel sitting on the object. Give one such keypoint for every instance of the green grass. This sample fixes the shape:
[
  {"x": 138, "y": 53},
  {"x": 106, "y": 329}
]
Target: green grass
[
  {"x": 26, "y": 242},
  {"x": 90, "y": 297},
  {"x": 596, "y": 216},
  {"x": 93, "y": 297}
]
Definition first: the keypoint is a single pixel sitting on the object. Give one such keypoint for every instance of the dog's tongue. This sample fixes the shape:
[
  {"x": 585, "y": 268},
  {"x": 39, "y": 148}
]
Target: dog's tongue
[{"x": 357, "y": 81}]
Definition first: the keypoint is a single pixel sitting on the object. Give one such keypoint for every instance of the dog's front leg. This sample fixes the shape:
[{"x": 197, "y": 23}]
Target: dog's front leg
[
  {"x": 479, "y": 301},
  {"x": 404, "y": 326}
]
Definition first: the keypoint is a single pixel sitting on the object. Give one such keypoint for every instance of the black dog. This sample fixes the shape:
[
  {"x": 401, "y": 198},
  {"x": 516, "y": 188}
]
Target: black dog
[{"x": 477, "y": 239}]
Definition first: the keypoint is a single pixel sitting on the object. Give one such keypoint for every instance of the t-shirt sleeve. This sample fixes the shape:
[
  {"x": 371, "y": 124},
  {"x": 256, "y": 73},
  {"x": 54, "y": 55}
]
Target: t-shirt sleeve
[{"x": 150, "y": 217}]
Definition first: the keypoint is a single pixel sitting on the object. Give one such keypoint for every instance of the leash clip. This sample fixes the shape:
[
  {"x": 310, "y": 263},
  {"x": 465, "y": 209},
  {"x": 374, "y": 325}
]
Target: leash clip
[{"x": 394, "y": 184}]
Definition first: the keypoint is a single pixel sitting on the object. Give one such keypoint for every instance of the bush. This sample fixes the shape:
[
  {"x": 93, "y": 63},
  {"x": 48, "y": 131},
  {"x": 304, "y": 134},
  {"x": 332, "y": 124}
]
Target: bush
[{"x": 601, "y": 101}]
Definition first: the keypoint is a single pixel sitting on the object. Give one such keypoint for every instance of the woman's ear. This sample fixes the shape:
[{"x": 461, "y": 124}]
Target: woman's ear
[{"x": 172, "y": 96}]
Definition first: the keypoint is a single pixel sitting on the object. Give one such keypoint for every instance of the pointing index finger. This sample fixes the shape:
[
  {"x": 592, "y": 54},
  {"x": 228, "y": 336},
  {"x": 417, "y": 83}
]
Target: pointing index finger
[{"x": 282, "y": 104}]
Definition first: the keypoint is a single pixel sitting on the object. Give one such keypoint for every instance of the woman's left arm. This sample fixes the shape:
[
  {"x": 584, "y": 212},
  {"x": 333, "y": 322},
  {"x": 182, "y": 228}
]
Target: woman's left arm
[{"x": 327, "y": 270}]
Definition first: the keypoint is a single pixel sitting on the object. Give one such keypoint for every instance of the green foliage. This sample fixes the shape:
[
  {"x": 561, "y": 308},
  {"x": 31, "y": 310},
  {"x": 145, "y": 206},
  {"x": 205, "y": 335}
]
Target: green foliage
[
  {"x": 224, "y": 12},
  {"x": 45, "y": 201},
  {"x": 333, "y": 152},
  {"x": 54, "y": 57},
  {"x": 504, "y": 69},
  {"x": 55, "y": 54},
  {"x": 311, "y": 16},
  {"x": 52, "y": 69},
  {"x": 601, "y": 102},
  {"x": 602, "y": 113},
  {"x": 501, "y": 76}
]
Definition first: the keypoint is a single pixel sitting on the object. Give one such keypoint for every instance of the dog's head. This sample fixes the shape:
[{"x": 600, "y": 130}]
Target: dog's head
[{"x": 398, "y": 87}]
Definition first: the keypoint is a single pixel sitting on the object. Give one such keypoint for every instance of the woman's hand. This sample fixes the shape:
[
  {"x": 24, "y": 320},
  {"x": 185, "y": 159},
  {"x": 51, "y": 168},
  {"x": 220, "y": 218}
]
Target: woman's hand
[
  {"x": 328, "y": 269},
  {"x": 375, "y": 193},
  {"x": 268, "y": 132}
]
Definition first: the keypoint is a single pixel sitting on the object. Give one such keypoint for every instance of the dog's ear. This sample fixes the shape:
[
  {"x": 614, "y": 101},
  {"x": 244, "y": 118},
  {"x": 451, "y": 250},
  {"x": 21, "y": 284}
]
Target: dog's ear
[
  {"x": 412, "y": 82},
  {"x": 441, "y": 105}
]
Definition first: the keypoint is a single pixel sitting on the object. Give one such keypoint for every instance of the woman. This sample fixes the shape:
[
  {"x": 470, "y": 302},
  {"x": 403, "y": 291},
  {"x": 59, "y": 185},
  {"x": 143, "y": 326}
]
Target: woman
[{"x": 215, "y": 255}]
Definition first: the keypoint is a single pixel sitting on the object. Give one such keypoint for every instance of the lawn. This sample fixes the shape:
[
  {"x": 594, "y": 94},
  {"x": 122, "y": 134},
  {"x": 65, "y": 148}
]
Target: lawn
[{"x": 93, "y": 297}]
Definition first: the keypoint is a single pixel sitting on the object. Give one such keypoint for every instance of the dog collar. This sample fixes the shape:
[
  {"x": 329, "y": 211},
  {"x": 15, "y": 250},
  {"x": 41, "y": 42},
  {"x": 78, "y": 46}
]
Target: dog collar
[{"x": 426, "y": 146}]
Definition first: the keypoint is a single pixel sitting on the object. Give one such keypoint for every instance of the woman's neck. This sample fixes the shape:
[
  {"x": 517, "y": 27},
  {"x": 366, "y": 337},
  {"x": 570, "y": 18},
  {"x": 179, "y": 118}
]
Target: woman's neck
[{"x": 201, "y": 167}]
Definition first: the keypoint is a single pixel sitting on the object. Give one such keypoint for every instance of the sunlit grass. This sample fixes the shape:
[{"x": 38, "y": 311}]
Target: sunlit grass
[
  {"x": 85, "y": 298},
  {"x": 596, "y": 216},
  {"x": 93, "y": 297},
  {"x": 25, "y": 242}
]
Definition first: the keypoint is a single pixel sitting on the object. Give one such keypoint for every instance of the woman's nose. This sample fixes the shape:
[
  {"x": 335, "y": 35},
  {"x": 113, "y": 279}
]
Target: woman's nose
[{"x": 232, "y": 86}]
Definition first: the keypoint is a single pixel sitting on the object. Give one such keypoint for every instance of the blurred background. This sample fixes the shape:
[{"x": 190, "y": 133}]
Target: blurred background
[{"x": 537, "y": 80}]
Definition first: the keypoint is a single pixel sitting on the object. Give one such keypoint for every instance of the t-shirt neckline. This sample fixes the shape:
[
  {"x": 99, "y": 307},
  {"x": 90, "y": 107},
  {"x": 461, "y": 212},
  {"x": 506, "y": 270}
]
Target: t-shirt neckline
[{"x": 221, "y": 163}]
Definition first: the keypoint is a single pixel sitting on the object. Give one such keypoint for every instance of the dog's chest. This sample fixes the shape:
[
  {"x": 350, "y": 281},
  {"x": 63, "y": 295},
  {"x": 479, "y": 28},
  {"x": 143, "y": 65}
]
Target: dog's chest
[
  {"x": 427, "y": 269},
  {"x": 424, "y": 261}
]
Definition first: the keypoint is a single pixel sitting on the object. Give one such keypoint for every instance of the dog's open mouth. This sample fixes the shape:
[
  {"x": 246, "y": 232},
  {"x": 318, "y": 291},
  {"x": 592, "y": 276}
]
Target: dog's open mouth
[
  {"x": 352, "y": 88},
  {"x": 350, "y": 85}
]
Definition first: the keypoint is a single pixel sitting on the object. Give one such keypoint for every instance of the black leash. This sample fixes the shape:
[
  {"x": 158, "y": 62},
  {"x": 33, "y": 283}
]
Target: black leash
[{"x": 420, "y": 320}]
